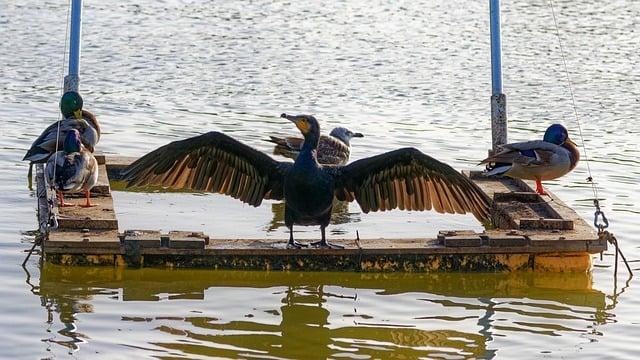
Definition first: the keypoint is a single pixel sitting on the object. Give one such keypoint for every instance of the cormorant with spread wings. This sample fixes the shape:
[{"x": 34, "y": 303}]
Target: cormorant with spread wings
[{"x": 405, "y": 179}]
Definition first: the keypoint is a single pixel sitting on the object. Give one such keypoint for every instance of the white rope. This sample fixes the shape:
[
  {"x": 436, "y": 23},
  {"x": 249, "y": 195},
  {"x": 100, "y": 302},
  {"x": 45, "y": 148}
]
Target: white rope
[
  {"x": 60, "y": 115},
  {"x": 573, "y": 101}
]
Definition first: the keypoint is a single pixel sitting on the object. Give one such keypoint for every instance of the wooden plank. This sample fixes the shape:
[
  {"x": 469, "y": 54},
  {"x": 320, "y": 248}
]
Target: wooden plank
[
  {"x": 99, "y": 239},
  {"x": 548, "y": 224},
  {"x": 43, "y": 204},
  {"x": 100, "y": 217},
  {"x": 186, "y": 240}
]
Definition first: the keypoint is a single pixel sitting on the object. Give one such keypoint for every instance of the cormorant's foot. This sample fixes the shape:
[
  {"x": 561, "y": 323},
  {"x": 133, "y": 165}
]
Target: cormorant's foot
[
  {"x": 326, "y": 245},
  {"x": 296, "y": 245}
]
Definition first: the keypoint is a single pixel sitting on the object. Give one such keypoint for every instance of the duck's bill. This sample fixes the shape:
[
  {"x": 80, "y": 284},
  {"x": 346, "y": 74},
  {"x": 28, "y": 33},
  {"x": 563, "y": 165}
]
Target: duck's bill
[{"x": 78, "y": 114}]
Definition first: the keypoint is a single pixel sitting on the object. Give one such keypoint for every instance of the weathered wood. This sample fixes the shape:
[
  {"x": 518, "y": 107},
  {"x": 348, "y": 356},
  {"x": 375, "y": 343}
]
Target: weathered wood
[
  {"x": 100, "y": 217},
  {"x": 542, "y": 223},
  {"x": 93, "y": 239},
  {"x": 531, "y": 245},
  {"x": 43, "y": 204}
]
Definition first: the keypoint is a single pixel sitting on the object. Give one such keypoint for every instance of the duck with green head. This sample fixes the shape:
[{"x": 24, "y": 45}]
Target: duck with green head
[
  {"x": 74, "y": 117},
  {"x": 547, "y": 159},
  {"x": 72, "y": 169}
]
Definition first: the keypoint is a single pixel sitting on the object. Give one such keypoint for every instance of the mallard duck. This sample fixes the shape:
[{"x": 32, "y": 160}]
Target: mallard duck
[
  {"x": 332, "y": 150},
  {"x": 74, "y": 118},
  {"x": 405, "y": 178},
  {"x": 540, "y": 160},
  {"x": 73, "y": 169}
]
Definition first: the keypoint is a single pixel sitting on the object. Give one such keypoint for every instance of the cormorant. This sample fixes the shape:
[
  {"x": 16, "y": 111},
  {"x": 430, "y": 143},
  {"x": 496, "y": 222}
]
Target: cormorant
[
  {"x": 72, "y": 169},
  {"x": 332, "y": 150},
  {"x": 405, "y": 178},
  {"x": 554, "y": 156}
]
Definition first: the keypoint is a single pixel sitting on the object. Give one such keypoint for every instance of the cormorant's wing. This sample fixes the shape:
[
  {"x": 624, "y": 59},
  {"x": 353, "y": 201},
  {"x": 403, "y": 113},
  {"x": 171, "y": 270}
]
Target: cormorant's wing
[
  {"x": 212, "y": 162},
  {"x": 409, "y": 180}
]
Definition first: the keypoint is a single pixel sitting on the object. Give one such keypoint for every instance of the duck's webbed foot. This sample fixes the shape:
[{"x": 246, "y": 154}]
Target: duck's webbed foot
[
  {"x": 323, "y": 244},
  {"x": 539, "y": 188}
]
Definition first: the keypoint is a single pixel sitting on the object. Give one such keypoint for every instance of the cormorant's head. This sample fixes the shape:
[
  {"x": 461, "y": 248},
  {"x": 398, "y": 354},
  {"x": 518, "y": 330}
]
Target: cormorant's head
[
  {"x": 71, "y": 105},
  {"x": 307, "y": 124},
  {"x": 345, "y": 135},
  {"x": 72, "y": 142},
  {"x": 557, "y": 134}
]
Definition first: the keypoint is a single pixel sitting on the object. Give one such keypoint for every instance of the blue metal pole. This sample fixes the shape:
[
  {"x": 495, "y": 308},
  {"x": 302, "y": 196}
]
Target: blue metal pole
[
  {"x": 498, "y": 99},
  {"x": 496, "y": 48},
  {"x": 72, "y": 79}
]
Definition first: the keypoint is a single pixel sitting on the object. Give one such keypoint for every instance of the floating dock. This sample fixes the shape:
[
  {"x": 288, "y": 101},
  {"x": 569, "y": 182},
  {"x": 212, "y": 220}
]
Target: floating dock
[{"x": 530, "y": 233}]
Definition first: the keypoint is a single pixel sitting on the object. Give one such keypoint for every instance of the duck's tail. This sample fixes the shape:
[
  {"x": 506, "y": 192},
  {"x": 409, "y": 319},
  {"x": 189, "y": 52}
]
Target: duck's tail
[{"x": 284, "y": 147}]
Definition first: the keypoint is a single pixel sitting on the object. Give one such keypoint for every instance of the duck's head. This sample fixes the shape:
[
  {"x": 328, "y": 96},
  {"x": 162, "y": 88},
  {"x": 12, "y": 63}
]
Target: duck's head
[
  {"x": 308, "y": 126},
  {"x": 72, "y": 141},
  {"x": 557, "y": 134},
  {"x": 71, "y": 105},
  {"x": 344, "y": 134}
]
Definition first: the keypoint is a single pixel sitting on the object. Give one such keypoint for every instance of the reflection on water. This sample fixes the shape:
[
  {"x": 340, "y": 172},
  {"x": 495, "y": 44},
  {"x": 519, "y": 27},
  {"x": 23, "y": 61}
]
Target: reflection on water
[
  {"x": 294, "y": 315},
  {"x": 340, "y": 215}
]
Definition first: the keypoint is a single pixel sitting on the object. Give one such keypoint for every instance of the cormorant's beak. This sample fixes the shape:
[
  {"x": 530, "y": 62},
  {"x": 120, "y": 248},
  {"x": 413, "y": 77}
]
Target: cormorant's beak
[
  {"x": 78, "y": 114},
  {"x": 358, "y": 135},
  {"x": 300, "y": 122}
]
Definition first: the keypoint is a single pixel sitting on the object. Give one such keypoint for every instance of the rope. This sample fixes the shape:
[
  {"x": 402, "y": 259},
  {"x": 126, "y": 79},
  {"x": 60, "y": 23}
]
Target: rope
[
  {"x": 573, "y": 101},
  {"x": 600, "y": 220},
  {"x": 60, "y": 118}
]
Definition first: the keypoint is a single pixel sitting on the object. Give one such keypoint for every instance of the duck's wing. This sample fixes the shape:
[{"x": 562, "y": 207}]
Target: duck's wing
[
  {"x": 332, "y": 151},
  {"x": 288, "y": 147},
  {"x": 528, "y": 153},
  {"x": 407, "y": 179},
  {"x": 45, "y": 144},
  {"x": 212, "y": 162},
  {"x": 69, "y": 172}
]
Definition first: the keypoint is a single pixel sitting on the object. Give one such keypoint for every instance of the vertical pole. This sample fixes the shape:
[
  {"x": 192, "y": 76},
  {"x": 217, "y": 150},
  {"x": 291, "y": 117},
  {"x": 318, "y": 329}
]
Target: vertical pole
[
  {"x": 72, "y": 80},
  {"x": 498, "y": 99}
]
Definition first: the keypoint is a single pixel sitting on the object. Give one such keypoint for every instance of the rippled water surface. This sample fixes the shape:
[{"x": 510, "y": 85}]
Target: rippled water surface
[{"x": 412, "y": 73}]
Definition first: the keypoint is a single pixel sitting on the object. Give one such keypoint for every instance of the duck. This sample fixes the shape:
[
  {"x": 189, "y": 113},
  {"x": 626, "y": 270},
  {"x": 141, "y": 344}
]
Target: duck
[
  {"x": 541, "y": 160},
  {"x": 333, "y": 149},
  {"x": 72, "y": 169},
  {"x": 74, "y": 117},
  {"x": 404, "y": 179}
]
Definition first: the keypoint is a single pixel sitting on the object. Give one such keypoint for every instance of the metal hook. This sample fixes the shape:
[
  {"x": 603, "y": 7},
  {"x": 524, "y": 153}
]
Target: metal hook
[{"x": 596, "y": 222}]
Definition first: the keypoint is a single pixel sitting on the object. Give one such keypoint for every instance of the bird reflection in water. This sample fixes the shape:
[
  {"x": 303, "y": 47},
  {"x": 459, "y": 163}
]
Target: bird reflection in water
[{"x": 340, "y": 215}]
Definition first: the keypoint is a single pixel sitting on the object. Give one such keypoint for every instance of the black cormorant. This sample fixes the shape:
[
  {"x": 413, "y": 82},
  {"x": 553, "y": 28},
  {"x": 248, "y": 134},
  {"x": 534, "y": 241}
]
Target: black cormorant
[{"x": 405, "y": 178}]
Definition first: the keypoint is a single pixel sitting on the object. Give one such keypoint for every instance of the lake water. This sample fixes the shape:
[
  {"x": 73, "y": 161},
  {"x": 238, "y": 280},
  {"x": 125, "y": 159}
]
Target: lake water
[{"x": 411, "y": 73}]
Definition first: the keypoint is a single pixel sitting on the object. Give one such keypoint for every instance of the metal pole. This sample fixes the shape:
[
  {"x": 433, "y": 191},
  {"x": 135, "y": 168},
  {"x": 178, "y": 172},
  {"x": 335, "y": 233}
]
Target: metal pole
[
  {"x": 72, "y": 79},
  {"x": 498, "y": 99}
]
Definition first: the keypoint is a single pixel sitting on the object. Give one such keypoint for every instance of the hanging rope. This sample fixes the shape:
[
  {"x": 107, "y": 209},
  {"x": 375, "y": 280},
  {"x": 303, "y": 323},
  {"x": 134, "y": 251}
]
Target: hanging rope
[
  {"x": 52, "y": 221},
  {"x": 600, "y": 220}
]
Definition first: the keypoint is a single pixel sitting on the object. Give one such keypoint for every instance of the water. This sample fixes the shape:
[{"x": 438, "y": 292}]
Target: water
[{"x": 405, "y": 74}]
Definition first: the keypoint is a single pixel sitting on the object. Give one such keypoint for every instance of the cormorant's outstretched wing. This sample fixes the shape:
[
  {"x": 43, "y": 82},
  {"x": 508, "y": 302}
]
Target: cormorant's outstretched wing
[
  {"x": 409, "y": 180},
  {"x": 212, "y": 162}
]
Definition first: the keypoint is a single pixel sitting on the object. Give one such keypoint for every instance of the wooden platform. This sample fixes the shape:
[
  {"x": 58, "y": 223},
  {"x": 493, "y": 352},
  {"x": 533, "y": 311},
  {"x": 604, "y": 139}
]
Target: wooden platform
[{"x": 531, "y": 233}]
